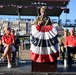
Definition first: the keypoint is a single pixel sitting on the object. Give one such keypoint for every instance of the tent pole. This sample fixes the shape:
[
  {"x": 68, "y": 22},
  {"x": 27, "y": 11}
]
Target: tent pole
[{"x": 19, "y": 17}]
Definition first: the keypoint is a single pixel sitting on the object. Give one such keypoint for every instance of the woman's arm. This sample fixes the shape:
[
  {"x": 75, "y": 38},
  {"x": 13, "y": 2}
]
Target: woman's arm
[
  {"x": 4, "y": 42},
  {"x": 36, "y": 21},
  {"x": 66, "y": 42},
  {"x": 13, "y": 40}
]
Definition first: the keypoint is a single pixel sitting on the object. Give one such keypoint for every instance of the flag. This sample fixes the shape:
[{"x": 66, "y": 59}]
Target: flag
[{"x": 42, "y": 47}]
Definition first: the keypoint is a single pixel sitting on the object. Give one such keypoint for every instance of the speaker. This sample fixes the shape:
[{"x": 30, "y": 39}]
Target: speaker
[{"x": 66, "y": 10}]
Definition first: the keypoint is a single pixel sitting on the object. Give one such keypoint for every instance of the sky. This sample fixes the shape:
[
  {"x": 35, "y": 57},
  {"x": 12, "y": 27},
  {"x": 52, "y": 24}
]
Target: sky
[{"x": 71, "y": 15}]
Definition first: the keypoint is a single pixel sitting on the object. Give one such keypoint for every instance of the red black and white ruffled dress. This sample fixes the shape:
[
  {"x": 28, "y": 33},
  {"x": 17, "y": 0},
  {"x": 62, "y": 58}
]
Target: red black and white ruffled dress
[{"x": 42, "y": 47}]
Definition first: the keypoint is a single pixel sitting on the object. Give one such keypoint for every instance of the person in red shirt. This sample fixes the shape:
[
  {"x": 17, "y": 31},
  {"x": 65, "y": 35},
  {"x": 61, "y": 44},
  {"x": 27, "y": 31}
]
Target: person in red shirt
[
  {"x": 8, "y": 43},
  {"x": 70, "y": 45}
]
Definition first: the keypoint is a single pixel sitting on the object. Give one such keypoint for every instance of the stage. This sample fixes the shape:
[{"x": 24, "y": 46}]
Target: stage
[{"x": 25, "y": 68}]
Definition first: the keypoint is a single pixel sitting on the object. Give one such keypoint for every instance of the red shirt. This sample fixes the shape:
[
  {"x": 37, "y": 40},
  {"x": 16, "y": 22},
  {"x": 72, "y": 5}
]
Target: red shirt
[
  {"x": 70, "y": 41},
  {"x": 8, "y": 39}
]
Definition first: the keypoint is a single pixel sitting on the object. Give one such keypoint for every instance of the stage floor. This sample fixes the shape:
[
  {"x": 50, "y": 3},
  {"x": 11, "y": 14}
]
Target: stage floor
[{"x": 25, "y": 68}]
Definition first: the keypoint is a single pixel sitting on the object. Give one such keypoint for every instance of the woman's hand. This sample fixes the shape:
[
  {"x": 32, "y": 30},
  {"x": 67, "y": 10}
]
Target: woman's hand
[{"x": 41, "y": 22}]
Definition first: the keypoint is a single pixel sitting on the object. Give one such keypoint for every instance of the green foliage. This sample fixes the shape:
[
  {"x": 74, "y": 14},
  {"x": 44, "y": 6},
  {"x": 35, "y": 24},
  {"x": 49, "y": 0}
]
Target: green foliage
[
  {"x": 21, "y": 38},
  {"x": 68, "y": 33},
  {"x": 24, "y": 38}
]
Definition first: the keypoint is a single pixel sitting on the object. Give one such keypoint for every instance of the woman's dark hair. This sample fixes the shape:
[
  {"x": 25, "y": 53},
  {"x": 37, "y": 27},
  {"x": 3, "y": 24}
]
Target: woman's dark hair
[{"x": 12, "y": 30}]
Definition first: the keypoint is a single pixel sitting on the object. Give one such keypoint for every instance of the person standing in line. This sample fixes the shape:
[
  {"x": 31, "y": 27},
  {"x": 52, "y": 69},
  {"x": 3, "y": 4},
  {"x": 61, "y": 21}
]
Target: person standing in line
[{"x": 8, "y": 45}]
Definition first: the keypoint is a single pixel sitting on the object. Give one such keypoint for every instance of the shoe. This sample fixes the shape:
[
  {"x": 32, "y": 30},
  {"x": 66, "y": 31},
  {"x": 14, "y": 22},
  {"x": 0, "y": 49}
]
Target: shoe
[
  {"x": 9, "y": 66},
  {"x": 1, "y": 59}
]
